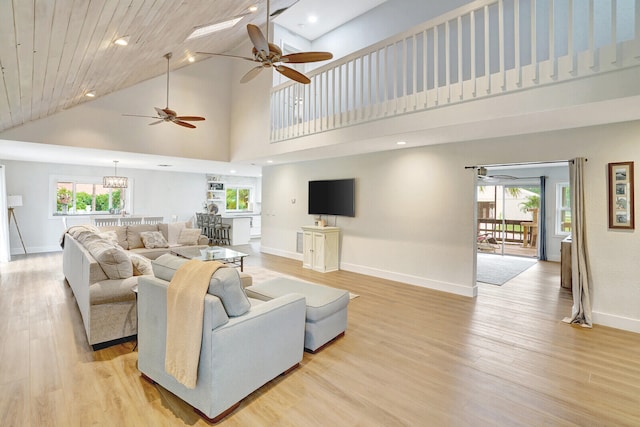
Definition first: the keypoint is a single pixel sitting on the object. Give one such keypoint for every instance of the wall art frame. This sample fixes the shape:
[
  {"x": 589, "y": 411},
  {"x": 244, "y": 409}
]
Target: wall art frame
[{"x": 621, "y": 191}]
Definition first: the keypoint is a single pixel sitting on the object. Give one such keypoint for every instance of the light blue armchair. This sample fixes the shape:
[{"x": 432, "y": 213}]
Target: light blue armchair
[{"x": 238, "y": 354}]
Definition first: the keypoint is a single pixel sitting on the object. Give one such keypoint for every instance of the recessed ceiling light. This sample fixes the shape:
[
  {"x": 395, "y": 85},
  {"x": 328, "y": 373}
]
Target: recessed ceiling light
[
  {"x": 191, "y": 59},
  {"x": 269, "y": 161},
  {"x": 122, "y": 41},
  {"x": 253, "y": 8},
  {"x": 90, "y": 94},
  {"x": 232, "y": 171},
  {"x": 208, "y": 29},
  {"x": 312, "y": 19},
  {"x": 401, "y": 142}
]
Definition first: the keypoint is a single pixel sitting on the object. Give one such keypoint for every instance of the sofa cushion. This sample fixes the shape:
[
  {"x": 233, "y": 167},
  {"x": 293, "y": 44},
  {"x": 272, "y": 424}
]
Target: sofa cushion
[
  {"x": 189, "y": 236},
  {"x": 153, "y": 239},
  {"x": 121, "y": 232},
  {"x": 165, "y": 266},
  {"x": 141, "y": 265},
  {"x": 171, "y": 231},
  {"x": 226, "y": 285},
  {"x": 113, "y": 259},
  {"x": 77, "y": 229},
  {"x": 133, "y": 234},
  {"x": 110, "y": 291}
]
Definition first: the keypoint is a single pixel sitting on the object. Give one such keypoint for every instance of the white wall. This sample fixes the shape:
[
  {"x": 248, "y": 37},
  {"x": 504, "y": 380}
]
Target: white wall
[
  {"x": 415, "y": 213},
  {"x": 155, "y": 193},
  {"x": 201, "y": 89}
]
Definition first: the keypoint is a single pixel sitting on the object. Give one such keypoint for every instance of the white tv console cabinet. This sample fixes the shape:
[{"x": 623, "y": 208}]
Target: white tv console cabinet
[{"x": 321, "y": 248}]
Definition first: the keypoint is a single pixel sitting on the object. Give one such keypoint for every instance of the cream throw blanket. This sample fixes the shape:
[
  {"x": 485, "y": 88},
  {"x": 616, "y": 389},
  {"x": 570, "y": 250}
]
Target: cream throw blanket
[{"x": 185, "y": 313}]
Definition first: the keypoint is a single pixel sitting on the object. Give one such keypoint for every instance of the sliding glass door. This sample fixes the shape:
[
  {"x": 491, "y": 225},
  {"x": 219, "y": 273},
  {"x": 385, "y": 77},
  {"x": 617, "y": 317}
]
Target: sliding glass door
[{"x": 508, "y": 219}]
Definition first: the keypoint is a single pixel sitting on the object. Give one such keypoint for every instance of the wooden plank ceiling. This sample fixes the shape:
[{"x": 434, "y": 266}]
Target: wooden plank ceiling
[{"x": 52, "y": 52}]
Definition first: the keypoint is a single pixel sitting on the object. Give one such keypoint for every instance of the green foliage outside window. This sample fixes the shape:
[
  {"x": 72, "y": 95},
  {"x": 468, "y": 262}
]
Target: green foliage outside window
[
  {"x": 238, "y": 199},
  {"x": 65, "y": 201}
]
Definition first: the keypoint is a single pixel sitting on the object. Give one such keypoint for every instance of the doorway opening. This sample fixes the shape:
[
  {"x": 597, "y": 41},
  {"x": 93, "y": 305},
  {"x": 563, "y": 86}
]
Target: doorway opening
[
  {"x": 508, "y": 218},
  {"x": 519, "y": 209}
]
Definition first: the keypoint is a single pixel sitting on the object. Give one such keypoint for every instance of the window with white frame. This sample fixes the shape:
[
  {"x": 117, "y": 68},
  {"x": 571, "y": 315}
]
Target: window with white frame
[
  {"x": 238, "y": 198},
  {"x": 85, "y": 195},
  {"x": 563, "y": 208}
]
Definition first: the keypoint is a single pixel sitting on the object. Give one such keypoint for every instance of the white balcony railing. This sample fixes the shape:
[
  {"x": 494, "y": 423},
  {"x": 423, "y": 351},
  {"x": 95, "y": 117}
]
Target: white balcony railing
[{"x": 487, "y": 47}]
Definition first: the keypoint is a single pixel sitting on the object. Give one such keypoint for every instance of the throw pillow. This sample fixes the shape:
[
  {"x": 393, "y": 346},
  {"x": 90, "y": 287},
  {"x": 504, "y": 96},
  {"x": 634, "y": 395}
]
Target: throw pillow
[
  {"x": 134, "y": 240},
  {"x": 141, "y": 265},
  {"x": 110, "y": 236},
  {"x": 189, "y": 236},
  {"x": 226, "y": 285},
  {"x": 114, "y": 260},
  {"x": 153, "y": 239}
]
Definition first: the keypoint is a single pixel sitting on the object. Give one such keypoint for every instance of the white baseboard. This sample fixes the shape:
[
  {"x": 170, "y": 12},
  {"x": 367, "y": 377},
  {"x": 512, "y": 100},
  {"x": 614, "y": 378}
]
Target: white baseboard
[
  {"x": 35, "y": 249},
  {"x": 618, "y": 322},
  {"x": 280, "y": 252},
  {"x": 452, "y": 288}
]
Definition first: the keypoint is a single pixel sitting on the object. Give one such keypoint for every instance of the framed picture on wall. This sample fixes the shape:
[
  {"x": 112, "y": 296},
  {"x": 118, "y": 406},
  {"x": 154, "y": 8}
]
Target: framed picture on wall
[{"x": 621, "y": 213}]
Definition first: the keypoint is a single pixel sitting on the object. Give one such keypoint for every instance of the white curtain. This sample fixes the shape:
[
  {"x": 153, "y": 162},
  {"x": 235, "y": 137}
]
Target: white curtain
[
  {"x": 5, "y": 254},
  {"x": 580, "y": 272}
]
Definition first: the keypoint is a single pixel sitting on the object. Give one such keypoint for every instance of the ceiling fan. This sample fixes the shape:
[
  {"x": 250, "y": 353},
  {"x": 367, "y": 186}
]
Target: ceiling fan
[
  {"x": 168, "y": 115},
  {"x": 268, "y": 55},
  {"x": 483, "y": 177}
]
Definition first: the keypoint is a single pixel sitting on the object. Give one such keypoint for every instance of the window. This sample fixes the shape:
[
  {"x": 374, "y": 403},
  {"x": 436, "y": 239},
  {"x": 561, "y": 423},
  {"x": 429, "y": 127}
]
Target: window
[
  {"x": 563, "y": 208},
  {"x": 238, "y": 198},
  {"x": 84, "y": 195}
]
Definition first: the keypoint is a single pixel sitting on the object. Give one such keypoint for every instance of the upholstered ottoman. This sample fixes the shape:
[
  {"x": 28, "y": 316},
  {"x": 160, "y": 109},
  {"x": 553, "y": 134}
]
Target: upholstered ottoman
[{"x": 326, "y": 317}]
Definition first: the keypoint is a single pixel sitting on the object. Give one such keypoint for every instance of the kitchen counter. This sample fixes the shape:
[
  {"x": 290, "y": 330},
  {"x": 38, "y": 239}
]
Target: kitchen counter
[{"x": 240, "y": 231}]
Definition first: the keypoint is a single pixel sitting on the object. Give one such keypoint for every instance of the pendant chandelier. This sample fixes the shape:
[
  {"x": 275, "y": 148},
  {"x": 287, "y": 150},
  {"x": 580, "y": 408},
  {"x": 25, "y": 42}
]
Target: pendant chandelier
[{"x": 115, "y": 181}]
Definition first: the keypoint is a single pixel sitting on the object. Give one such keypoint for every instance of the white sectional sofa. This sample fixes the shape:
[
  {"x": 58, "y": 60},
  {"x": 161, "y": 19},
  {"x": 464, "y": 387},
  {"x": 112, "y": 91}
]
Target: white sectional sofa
[{"x": 102, "y": 265}]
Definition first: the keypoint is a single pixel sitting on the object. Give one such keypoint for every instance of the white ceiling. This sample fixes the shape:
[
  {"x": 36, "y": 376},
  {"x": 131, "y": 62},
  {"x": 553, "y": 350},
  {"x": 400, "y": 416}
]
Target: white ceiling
[{"x": 296, "y": 18}]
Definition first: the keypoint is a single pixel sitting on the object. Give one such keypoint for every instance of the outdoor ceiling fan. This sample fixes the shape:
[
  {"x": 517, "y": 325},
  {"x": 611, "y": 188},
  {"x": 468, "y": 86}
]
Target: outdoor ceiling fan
[
  {"x": 168, "y": 115},
  {"x": 483, "y": 177},
  {"x": 268, "y": 55}
]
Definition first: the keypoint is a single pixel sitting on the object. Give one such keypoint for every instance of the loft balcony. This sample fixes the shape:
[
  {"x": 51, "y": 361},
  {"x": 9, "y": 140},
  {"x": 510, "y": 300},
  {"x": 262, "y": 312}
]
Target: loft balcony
[{"x": 488, "y": 48}]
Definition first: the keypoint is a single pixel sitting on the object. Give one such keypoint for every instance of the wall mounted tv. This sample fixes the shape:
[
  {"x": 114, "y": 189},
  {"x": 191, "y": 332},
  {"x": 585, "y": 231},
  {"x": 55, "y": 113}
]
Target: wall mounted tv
[{"x": 332, "y": 197}]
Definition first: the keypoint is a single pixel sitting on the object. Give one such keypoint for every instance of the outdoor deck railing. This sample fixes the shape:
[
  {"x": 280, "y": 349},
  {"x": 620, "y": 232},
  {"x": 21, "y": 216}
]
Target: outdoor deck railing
[
  {"x": 509, "y": 229},
  {"x": 485, "y": 48}
]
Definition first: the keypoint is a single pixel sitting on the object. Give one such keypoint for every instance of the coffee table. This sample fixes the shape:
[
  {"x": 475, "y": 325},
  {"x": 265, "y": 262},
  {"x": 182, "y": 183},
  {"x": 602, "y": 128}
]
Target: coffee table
[{"x": 225, "y": 255}]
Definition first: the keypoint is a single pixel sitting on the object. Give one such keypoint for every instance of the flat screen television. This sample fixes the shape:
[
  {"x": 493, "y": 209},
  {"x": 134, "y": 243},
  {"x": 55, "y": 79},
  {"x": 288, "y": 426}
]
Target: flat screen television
[{"x": 332, "y": 197}]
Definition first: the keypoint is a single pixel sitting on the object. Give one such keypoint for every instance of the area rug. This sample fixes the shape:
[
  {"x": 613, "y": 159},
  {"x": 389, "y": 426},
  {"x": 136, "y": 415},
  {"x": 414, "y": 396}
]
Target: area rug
[
  {"x": 498, "y": 270},
  {"x": 260, "y": 274}
]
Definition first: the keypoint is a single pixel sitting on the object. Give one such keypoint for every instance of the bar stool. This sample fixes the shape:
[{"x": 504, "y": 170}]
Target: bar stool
[{"x": 221, "y": 231}]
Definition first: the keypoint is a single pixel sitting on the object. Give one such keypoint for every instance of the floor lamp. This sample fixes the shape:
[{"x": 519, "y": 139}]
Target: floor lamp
[{"x": 14, "y": 202}]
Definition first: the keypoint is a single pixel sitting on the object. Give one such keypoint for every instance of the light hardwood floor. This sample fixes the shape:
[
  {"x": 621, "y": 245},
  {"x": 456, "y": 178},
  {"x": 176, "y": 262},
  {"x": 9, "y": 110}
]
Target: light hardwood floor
[{"x": 410, "y": 357}]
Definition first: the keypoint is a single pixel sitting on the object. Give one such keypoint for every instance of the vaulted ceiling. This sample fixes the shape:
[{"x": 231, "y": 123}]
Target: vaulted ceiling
[{"x": 53, "y": 52}]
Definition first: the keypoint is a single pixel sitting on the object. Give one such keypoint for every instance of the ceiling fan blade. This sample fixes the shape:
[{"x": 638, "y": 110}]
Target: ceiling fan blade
[
  {"x": 156, "y": 122},
  {"x": 258, "y": 40},
  {"x": 169, "y": 112},
  {"x": 161, "y": 113},
  {"x": 140, "y": 115},
  {"x": 190, "y": 118},
  {"x": 224, "y": 54},
  {"x": 185, "y": 124},
  {"x": 293, "y": 74},
  {"x": 251, "y": 74},
  {"x": 297, "y": 58}
]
